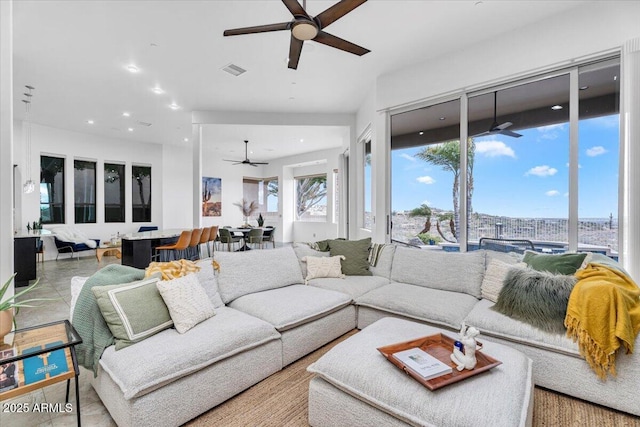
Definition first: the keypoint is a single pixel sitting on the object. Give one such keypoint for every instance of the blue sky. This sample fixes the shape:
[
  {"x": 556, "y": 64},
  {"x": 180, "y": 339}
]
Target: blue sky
[{"x": 522, "y": 177}]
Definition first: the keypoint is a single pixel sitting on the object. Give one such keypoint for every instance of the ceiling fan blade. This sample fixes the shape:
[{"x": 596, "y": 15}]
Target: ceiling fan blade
[
  {"x": 503, "y": 126},
  {"x": 481, "y": 134},
  {"x": 294, "y": 52},
  {"x": 338, "y": 43},
  {"x": 295, "y": 8},
  {"x": 259, "y": 163},
  {"x": 337, "y": 11},
  {"x": 510, "y": 133},
  {"x": 258, "y": 29},
  {"x": 255, "y": 165},
  {"x": 227, "y": 160}
]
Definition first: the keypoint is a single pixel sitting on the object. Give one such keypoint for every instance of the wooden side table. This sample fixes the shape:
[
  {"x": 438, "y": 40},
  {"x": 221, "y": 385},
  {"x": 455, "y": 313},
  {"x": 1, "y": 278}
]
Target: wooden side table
[
  {"x": 38, "y": 356},
  {"x": 108, "y": 249}
]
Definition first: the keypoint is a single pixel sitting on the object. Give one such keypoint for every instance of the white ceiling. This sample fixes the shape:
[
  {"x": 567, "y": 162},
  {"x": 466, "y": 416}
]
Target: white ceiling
[{"x": 75, "y": 54}]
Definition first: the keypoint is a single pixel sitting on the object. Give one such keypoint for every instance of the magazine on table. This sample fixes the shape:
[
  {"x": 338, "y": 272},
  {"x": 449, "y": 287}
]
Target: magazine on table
[
  {"x": 8, "y": 371},
  {"x": 422, "y": 363}
]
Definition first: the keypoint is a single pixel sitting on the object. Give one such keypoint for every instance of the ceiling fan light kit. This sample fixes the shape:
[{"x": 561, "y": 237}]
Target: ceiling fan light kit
[{"x": 303, "y": 28}]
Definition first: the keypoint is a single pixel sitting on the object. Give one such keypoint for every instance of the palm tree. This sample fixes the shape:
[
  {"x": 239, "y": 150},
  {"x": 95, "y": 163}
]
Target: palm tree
[
  {"x": 309, "y": 192},
  {"x": 447, "y": 155},
  {"x": 423, "y": 210}
]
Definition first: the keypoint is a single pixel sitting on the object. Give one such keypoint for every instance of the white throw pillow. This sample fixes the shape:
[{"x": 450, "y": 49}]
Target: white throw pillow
[
  {"x": 323, "y": 267},
  {"x": 187, "y": 301},
  {"x": 494, "y": 278}
]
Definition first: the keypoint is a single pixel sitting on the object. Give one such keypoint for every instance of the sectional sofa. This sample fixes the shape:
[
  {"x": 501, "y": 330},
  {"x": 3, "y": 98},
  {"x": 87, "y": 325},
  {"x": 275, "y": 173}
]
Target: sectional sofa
[{"x": 267, "y": 317}]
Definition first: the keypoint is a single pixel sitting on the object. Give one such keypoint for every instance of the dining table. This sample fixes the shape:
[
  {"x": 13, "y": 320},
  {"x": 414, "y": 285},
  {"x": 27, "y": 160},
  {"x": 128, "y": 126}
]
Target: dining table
[{"x": 245, "y": 235}]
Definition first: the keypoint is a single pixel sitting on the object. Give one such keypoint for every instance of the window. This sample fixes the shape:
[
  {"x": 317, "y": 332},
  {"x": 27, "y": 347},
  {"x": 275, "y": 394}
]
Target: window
[
  {"x": 264, "y": 192},
  {"x": 113, "y": 193},
  {"x": 425, "y": 174},
  {"x": 52, "y": 190},
  {"x": 599, "y": 136},
  {"x": 336, "y": 196},
  {"x": 367, "y": 220},
  {"x": 141, "y": 193},
  {"x": 84, "y": 183},
  {"x": 311, "y": 198}
]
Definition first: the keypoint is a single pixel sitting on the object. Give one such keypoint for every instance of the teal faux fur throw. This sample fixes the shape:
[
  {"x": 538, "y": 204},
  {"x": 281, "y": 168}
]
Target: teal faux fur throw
[{"x": 539, "y": 298}]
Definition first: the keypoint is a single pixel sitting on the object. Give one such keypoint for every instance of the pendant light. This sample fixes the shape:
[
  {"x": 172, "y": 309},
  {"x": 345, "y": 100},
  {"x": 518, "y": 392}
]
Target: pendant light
[{"x": 29, "y": 186}]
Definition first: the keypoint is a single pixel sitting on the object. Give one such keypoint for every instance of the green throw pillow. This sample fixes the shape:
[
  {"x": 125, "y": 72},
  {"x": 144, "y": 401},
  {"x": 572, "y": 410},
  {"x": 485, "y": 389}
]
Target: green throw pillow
[
  {"x": 133, "y": 311},
  {"x": 356, "y": 253},
  {"x": 558, "y": 264},
  {"x": 323, "y": 245}
]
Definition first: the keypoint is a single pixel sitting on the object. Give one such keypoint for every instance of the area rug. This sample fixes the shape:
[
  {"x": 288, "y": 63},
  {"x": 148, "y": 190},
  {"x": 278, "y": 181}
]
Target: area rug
[{"x": 281, "y": 401}]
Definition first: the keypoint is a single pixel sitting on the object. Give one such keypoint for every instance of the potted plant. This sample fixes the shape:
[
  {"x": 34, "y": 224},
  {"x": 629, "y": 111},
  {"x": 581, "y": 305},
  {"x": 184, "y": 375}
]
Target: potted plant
[
  {"x": 9, "y": 306},
  {"x": 260, "y": 220},
  {"x": 247, "y": 208}
]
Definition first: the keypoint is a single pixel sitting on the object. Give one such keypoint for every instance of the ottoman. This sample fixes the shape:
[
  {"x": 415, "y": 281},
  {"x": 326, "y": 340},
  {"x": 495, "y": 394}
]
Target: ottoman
[{"x": 356, "y": 386}]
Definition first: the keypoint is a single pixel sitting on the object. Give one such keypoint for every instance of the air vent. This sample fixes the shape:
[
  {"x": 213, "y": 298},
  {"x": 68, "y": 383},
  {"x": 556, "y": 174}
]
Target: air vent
[
  {"x": 143, "y": 123},
  {"x": 234, "y": 69}
]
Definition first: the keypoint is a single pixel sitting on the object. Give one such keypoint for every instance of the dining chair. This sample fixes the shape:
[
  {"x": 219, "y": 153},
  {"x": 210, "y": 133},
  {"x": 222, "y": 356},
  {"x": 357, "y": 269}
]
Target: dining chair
[
  {"x": 268, "y": 235},
  {"x": 204, "y": 239},
  {"x": 192, "y": 249},
  {"x": 255, "y": 237},
  {"x": 228, "y": 238},
  {"x": 169, "y": 252}
]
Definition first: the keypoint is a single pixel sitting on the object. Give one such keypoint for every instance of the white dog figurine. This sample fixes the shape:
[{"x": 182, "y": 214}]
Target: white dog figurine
[{"x": 466, "y": 359}]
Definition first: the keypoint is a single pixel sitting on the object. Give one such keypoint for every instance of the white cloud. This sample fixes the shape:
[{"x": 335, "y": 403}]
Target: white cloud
[
  {"x": 543, "y": 171},
  {"x": 494, "y": 149},
  {"x": 598, "y": 150},
  {"x": 408, "y": 157},
  {"x": 425, "y": 179},
  {"x": 552, "y": 193},
  {"x": 426, "y": 202},
  {"x": 550, "y": 128}
]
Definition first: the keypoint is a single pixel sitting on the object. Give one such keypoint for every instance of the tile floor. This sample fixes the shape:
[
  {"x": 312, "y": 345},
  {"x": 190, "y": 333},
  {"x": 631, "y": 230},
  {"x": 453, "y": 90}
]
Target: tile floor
[{"x": 55, "y": 278}]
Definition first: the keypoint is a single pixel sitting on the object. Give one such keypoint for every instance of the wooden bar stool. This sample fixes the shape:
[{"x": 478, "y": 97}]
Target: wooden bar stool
[
  {"x": 213, "y": 237},
  {"x": 192, "y": 249},
  {"x": 204, "y": 239},
  {"x": 169, "y": 252}
]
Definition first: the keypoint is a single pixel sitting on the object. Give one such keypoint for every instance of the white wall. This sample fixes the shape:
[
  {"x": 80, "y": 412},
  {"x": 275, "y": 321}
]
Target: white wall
[
  {"x": 6, "y": 141},
  {"x": 592, "y": 29},
  {"x": 72, "y": 145},
  {"x": 178, "y": 206}
]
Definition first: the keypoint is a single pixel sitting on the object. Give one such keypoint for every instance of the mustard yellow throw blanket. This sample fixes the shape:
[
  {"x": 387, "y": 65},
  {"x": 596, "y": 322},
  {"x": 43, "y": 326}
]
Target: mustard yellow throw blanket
[
  {"x": 172, "y": 269},
  {"x": 603, "y": 314}
]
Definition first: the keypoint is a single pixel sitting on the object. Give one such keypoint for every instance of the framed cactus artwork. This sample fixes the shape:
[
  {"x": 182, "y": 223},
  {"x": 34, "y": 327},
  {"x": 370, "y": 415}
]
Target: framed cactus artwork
[{"x": 211, "y": 196}]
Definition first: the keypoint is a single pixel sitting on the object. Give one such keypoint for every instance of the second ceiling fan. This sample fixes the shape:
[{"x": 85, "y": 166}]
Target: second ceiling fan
[
  {"x": 497, "y": 128},
  {"x": 304, "y": 27}
]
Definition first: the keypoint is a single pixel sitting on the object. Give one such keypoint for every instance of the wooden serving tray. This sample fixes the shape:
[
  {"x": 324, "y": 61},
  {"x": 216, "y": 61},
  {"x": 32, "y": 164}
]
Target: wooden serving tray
[{"x": 440, "y": 346}]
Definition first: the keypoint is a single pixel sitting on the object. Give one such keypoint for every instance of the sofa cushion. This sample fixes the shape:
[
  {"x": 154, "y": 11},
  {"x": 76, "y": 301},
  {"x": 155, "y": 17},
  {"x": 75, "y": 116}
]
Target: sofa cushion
[
  {"x": 354, "y": 286},
  {"x": 490, "y": 322},
  {"x": 383, "y": 264},
  {"x": 323, "y": 267},
  {"x": 416, "y": 302},
  {"x": 493, "y": 280},
  {"x": 567, "y": 263},
  {"x": 288, "y": 307},
  {"x": 227, "y": 333},
  {"x": 130, "y": 320},
  {"x": 356, "y": 254},
  {"x": 457, "y": 272},
  {"x": 243, "y": 273},
  {"x": 186, "y": 300},
  {"x": 303, "y": 250},
  {"x": 209, "y": 281}
]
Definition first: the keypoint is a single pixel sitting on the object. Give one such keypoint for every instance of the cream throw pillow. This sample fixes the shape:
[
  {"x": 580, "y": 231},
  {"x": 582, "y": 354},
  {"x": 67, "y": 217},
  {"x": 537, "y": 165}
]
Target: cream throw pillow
[
  {"x": 323, "y": 267},
  {"x": 494, "y": 278},
  {"x": 187, "y": 301}
]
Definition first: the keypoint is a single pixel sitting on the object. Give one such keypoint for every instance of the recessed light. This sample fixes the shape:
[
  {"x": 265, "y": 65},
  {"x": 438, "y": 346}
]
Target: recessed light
[
  {"x": 186, "y": 140},
  {"x": 442, "y": 118},
  {"x": 421, "y": 133},
  {"x": 125, "y": 114},
  {"x": 130, "y": 129},
  {"x": 615, "y": 78},
  {"x": 301, "y": 140},
  {"x": 584, "y": 87},
  {"x": 90, "y": 122},
  {"x": 157, "y": 90},
  {"x": 133, "y": 69},
  {"x": 174, "y": 106},
  {"x": 557, "y": 107}
]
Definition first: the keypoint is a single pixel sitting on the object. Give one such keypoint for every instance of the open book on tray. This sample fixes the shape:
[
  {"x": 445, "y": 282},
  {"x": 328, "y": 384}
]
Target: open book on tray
[{"x": 422, "y": 363}]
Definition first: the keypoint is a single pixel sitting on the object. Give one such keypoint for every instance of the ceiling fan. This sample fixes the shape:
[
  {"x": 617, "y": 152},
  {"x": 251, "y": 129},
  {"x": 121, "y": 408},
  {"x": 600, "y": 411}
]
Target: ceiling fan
[
  {"x": 304, "y": 27},
  {"x": 498, "y": 128},
  {"x": 246, "y": 160}
]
